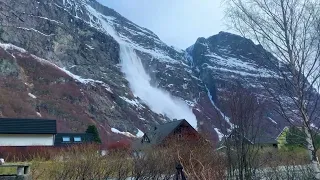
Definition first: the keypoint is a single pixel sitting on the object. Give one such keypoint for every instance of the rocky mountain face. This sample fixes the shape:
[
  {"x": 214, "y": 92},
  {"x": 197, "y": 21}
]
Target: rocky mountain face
[{"x": 82, "y": 63}]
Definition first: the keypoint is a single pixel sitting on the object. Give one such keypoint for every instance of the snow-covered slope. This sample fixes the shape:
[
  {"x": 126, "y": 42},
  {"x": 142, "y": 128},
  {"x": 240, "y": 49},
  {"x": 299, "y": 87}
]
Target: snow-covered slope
[{"x": 226, "y": 61}]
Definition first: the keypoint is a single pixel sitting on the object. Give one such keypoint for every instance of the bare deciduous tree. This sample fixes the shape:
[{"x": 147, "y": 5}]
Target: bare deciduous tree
[
  {"x": 290, "y": 30},
  {"x": 201, "y": 163},
  {"x": 241, "y": 144}
]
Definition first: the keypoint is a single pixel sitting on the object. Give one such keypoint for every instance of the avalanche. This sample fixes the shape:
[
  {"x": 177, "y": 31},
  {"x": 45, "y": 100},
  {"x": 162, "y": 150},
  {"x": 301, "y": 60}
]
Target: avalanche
[{"x": 157, "y": 99}]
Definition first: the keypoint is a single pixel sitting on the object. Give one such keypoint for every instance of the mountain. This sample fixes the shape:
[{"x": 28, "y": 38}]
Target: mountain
[{"x": 83, "y": 63}]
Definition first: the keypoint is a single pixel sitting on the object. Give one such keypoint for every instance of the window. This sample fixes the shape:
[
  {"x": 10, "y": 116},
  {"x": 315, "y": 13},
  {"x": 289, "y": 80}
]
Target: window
[
  {"x": 66, "y": 139},
  {"x": 77, "y": 139},
  {"x": 145, "y": 139}
]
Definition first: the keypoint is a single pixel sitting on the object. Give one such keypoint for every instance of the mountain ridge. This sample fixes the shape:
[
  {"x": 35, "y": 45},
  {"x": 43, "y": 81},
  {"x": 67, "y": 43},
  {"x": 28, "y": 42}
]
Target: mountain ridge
[{"x": 82, "y": 39}]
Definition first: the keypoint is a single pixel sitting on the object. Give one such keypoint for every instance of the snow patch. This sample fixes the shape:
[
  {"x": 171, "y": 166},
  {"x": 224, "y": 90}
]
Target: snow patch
[
  {"x": 32, "y": 96},
  {"x": 190, "y": 103},
  {"x": 37, "y": 31},
  {"x": 238, "y": 66},
  {"x": 79, "y": 78},
  {"x": 141, "y": 118},
  {"x": 90, "y": 47},
  {"x": 273, "y": 121},
  {"x": 226, "y": 118},
  {"x": 132, "y": 102},
  {"x": 114, "y": 130},
  {"x": 185, "y": 86},
  {"x": 139, "y": 134},
  {"x": 220, "y": 134},
  {"x": 107, "y": 87},
  {"x": 41, "y": 17},
  {"x": 38, "y": 114},
  {"x": 12, "y": 47},
  {"x": 86, "y": 81}
]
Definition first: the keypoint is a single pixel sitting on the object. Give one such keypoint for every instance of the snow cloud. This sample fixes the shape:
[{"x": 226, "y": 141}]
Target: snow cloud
[{"x": 157, "y": 99}]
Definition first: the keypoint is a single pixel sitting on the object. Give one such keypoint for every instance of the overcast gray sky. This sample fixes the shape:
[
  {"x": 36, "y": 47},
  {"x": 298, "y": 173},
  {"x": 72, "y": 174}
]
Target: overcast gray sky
[{"x": 176, "y": 22}]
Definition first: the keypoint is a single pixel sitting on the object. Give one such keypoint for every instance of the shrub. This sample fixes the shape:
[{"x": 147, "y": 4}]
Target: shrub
[
  {"x": 94, "y": 131},
  {"x": 82, "y": 162},
  {"x": 27, "y": 153}
]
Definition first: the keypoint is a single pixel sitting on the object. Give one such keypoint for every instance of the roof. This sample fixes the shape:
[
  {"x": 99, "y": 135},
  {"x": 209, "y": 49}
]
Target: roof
[
  {"x": 265, "y": 140},
  {"x": 160, "y": 132},
  {"x": 84, "y": 137},
  {"x": 258, "y": 138},
  {"x": 27, "y": 126}
]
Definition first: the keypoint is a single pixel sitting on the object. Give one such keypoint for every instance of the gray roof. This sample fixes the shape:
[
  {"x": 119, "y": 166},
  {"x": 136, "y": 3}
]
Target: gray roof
[
  {"x": 160, "y": 132},
  {"x": 157, "y": 134},
  {"x": 259, "y": 138},
  {"x": 27, "y": 126},
  {"x": 265, "y": 140}
]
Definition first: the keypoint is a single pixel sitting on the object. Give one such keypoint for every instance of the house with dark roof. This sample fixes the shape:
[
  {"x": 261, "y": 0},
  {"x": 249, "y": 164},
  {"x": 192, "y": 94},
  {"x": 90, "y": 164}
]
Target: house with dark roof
[
  {"x": 66, "y": 139},
  {"x": 27, "y": 132},
  {"x": 258, "y": 138},
  {"x": 160, "y": 134}
]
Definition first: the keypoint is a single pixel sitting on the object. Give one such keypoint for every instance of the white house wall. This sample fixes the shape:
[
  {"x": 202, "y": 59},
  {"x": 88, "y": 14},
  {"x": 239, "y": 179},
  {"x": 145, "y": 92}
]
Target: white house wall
[{"x": 26, "y": 140}]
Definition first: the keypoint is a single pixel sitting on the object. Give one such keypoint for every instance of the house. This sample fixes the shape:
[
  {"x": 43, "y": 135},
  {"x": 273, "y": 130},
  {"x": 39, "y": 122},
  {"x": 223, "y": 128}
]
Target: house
[
  {"x": 37, "y": 132},
  {"x": 65, "y": 139},
  {"x": 255, "y": 138},
  {"x": 160, "y": 134},
  {"x": 295, "y": 136},
  {"x": 27, "y": 132},
  {"x": 281, "y": 139}
]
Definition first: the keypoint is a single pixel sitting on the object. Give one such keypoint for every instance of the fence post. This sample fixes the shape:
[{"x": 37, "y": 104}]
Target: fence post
[{"x": 180, "y": 172}]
